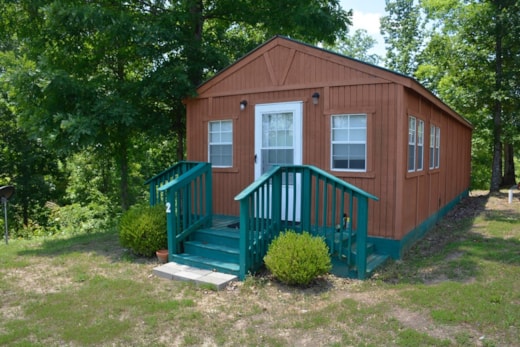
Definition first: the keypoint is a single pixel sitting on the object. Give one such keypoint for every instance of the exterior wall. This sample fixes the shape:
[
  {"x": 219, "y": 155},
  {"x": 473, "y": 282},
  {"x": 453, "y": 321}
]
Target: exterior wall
[
  {"x": 283, "y": 71},
  {"x": 427, "y": 191}
]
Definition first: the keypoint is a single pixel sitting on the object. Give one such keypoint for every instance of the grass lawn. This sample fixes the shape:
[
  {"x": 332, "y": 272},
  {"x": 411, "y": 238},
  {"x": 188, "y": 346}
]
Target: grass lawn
[{"x": 459, "y": 286}]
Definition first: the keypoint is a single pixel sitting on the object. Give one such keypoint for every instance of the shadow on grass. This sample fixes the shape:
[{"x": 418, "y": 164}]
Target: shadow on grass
[
  {"x": 105, "y": 244},
  {"x": 474, "y": 231}
]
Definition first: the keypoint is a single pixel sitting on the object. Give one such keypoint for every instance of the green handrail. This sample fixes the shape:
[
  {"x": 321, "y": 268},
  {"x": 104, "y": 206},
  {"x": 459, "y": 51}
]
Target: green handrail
[
  {"x": 323, "y": 201},
  {"x": 188, "y": 201},
  {"x": 166, "y": 176}
]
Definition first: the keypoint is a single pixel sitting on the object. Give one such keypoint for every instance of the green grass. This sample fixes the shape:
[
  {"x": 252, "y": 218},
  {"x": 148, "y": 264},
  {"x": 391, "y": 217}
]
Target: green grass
[{"x": 457, "y": 287}]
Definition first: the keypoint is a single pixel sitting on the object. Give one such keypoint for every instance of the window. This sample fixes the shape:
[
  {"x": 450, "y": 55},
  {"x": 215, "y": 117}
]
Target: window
[
  {"x": 435, "y": 146},
  {"x": 420, "y": 145},
  {"x": 349, "y": 142},
  {"x": 411, "y": 143},
  {"x": 220, "y": 143},
  {"x": 415, "y": 144},
  {"x": 432, "y": 146}
]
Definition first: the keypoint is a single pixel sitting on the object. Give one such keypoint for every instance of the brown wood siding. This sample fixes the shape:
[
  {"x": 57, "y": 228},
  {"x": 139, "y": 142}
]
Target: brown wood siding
[
  {"x": 283, "y": 71},
  {"x": 427, "y": 191}
]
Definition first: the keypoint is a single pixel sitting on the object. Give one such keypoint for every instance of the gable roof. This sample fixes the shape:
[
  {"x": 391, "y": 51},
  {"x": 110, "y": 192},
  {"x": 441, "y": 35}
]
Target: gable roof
[{"x": 283, "y": 61}]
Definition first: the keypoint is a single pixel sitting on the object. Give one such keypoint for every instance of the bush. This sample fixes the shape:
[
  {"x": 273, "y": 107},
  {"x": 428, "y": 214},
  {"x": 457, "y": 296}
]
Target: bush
[
  {"x": 142, "y": 229},
  {"x": 78, "y": 219},
  {"x": 297, "y": 259}
]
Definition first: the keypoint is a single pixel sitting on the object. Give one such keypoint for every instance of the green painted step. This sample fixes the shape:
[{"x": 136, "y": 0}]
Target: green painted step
[
  {"x": 219, "y": 236},
  {"x": 206, "y": 263},
  {"x": 212, "y": 251},
  {"x": 375, "y": 260}
]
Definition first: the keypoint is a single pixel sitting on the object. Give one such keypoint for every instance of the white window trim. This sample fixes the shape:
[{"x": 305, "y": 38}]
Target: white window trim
[
  {"x": 412, "y": 142},
  {"x": 432, "y": 146},
  {"x": 220, "y": 143},
  {"x": 420, "y": 145},
  {"x": 435, "y": 147},
  {"x": 332, "y": 142},
  {"x": 415, "y": 144}
]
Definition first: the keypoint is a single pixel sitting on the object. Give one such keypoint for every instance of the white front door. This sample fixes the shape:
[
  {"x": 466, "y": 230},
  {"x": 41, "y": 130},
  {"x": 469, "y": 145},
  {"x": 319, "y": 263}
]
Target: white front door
[{"x": 278, "y": 141}]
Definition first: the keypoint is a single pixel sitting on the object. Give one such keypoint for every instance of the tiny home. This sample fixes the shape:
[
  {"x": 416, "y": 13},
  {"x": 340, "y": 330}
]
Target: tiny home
[{"x": 399, "y": 156}]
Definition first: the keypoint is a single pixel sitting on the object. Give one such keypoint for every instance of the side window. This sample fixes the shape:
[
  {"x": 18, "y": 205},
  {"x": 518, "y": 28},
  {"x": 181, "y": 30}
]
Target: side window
[
  {"x": 349, "y": 142},
  {"x": 220, "y": 143},
  {"x": 435, "y": 147},
  {"x": 415, "y": 144},
  {"x": 420, "y": 145},
  {"x": 412, "y": 138},
  {"x": 432, "y": 146}
]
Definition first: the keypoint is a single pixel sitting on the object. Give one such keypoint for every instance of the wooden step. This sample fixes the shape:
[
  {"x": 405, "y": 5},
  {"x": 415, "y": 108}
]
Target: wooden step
[
  {"x": 206, "y": 263},
  {"x": 212, "y": 251},
  {"x": 217, "y": 236},
  {"x": 375, "y": 260}
]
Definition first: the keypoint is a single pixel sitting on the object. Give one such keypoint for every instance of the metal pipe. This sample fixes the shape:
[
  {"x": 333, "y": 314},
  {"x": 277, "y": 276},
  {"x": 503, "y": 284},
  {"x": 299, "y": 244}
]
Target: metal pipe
[{"x": 4, "y": 201}]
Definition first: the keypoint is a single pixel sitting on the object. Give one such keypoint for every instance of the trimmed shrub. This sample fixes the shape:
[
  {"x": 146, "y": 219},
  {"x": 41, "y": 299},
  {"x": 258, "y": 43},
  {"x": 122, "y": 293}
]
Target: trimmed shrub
[
  {"x": 297, "y": 259},
  {"x": 142, "y": 229}
]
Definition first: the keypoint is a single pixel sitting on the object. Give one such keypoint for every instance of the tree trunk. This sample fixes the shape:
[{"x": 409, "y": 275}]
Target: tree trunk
[
  {"x": 496, "y": 169},
  {"x": 509, "y": 166},
  {"x": 121, "y": 153},
  {"x": 125, "y": 201}
]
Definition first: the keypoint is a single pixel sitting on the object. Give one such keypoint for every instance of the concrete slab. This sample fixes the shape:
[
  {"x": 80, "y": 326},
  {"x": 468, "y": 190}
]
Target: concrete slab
[{"x": 174, "y": 271}]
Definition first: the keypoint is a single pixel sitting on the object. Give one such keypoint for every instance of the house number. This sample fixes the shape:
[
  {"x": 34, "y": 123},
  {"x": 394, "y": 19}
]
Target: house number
[{"x": 168, "y": 207}]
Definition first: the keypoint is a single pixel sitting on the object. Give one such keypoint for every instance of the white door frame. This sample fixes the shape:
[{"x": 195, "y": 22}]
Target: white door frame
[{"x": 296, "y": 109}]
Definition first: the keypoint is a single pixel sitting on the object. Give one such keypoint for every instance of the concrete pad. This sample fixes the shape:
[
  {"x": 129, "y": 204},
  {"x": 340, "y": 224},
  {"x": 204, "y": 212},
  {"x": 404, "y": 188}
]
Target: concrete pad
[{"x": 174, "y": 271}]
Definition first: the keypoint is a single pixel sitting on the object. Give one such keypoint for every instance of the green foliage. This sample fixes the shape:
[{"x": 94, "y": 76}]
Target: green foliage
[
  {"x": 297, "y": 259},
  {"x": 357, "y": 45},
  {"x": 403, "y": 28},
  {"x": 143, "y": 229},
  {"x": 75, "y": 218}
]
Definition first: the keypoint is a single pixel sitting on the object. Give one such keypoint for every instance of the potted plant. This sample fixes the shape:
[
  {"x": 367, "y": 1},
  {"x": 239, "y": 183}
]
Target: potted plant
[{"x": 162, "y": 256}]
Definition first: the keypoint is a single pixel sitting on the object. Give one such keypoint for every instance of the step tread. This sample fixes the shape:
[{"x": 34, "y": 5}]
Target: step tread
[
  {"x": 214, "y": 246},
  {"x": 223, "y": 232},
  {"x": 374, "y": 260},
  {"x": 207, "y": 261}
]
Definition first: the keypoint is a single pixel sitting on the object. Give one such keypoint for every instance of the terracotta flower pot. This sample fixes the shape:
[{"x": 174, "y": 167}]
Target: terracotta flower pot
[{"x": 162, "y": 255}]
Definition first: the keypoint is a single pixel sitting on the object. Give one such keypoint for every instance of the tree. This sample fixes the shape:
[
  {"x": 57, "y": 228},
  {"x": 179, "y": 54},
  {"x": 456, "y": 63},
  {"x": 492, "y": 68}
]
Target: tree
[
  {"x": 29, "y": 167},
  {"x": 472, "y": 62},
  {"x": 403, "y": 30},
  {"x": 358, "y": 46},
  {"x": 102, "y": 73}
]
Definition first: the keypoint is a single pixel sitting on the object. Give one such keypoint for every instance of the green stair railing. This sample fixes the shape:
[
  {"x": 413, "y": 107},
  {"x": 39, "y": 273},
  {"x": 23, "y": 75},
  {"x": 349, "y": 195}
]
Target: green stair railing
[
  {"x": 325, "y": 204},
  {"x": 168, "y": 175},
  {"x": 187, "y": 198}
]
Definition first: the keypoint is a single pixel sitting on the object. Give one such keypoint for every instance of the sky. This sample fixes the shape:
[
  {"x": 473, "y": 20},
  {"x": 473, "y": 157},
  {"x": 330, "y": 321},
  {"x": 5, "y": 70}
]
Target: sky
[{"x": 366, "y": 16}]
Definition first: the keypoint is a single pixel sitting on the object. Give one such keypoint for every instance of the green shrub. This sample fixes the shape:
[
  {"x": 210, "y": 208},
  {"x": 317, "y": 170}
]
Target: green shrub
[
  {"x": 142, "y": 229},
  {"x": 297, "y": 259},
  {"x": 78, "y": 219}
]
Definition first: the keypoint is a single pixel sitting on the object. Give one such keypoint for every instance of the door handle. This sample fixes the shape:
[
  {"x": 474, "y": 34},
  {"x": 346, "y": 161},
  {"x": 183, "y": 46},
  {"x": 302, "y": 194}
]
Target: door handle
[{"x": 255, "y": 158}]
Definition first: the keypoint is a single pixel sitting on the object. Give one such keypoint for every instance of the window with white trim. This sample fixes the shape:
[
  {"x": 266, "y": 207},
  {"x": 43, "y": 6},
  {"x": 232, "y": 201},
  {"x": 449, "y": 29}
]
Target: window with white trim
[
  {"x": 412, "y": 138},
  {"x": 420, "y": 145},
  {"x": 415, "y": 144},
  {"x": 349, "y": 142},
  {"x": 432, "y": 146},
  {"x": 435, "y": 146},
  {"x": 220, "y": 143}
]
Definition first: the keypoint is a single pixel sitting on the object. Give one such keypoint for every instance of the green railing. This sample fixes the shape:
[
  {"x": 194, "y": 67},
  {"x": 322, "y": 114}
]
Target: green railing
[
  {"x": 187, "y": 199},
  {"x": 303, "y": 198},
  {"x": 168, "y": 175}
]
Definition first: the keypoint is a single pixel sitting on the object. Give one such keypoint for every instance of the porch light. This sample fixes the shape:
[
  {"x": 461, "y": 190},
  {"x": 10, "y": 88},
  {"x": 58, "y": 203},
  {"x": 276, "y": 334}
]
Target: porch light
[
  {"x": 315, "y": 98},
  {"x": 243, "y": 105}
]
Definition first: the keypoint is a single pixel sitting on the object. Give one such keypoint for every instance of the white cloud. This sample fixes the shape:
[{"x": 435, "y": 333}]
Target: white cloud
[{"x": 367, "y": 21}]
